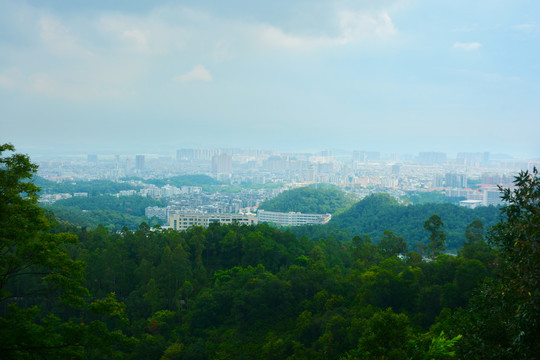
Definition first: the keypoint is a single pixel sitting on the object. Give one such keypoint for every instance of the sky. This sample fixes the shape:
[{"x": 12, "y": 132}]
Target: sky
[{"x": 400, "y": 76}]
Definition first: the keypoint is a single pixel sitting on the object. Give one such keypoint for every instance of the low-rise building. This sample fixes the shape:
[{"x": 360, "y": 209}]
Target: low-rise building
[
  {"x": 292, "y": 218},
  {"x": 183, "y": 221},
  {"x": 471, "y": 204}
]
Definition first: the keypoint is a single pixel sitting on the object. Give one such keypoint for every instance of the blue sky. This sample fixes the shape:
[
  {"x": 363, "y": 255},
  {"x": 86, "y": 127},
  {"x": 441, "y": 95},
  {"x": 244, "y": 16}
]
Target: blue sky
[{"x": 389, "y": 75}]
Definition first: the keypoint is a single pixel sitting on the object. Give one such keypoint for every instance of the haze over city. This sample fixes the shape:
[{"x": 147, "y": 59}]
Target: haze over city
[{"x": 148, "y": 77}]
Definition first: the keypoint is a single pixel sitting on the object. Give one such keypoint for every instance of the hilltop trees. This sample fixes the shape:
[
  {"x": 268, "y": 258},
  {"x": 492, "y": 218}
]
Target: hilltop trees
[
  {"x": 309, "y": 200},
  {"x": 437, "y": 237},
  {"x": 26, "y": 248},
  {"x": 35, "y": 268},
  {"x": 502, "y": 321},
  {"x": 377, "y": 213}
]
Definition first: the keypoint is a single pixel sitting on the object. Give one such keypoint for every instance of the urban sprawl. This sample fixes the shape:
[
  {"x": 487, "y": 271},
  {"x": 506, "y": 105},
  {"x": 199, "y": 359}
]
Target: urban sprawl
[{"x": 473, "y": 177}]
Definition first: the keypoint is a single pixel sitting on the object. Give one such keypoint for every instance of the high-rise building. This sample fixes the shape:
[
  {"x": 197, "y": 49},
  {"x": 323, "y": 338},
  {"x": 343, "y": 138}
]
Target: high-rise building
[
  {"x": 492, "y": 196},
  {"x": 326, "y": 153},
  {"x": 438, "y": 181},
  {"x": 366, "y": 155},
  {"x": 184, "y": 154},
  {"x": 222, "y": 164},
  {"x": 196, "y": 154},
  {"x": 431, "y": 158},
  {"x": 139, "y": 162},
  {"x": 276, "y": 163},
  {"x": 455, "y": 180},
  {"x": 92, "y": 158}
]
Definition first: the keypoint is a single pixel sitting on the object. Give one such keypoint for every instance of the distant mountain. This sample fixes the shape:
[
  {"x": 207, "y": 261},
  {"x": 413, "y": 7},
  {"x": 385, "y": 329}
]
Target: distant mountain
[{"x": 310, "y": 200}]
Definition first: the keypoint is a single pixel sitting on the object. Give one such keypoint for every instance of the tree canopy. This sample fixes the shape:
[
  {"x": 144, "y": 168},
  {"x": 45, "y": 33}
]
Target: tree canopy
[
  {"x": 255, "y": 292},
  {"x": 36, "y": 268},
  {"x": 502, "y": 321},
  {"x": 377, "y": 213},
  {"x": 309, "y": 200}
]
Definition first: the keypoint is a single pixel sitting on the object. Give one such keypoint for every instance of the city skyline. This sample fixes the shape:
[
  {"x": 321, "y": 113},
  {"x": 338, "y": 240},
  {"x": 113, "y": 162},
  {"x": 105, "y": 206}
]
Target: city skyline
[{"x": 396, "y": 76}]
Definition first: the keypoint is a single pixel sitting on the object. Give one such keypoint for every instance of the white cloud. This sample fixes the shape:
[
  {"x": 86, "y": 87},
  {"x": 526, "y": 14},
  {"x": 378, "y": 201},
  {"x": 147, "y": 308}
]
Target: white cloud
[
  {"x": 275, "y": 37},
  {"x": 104, "y": 81},
  {"x": 467, "y": 46},
  {"x": 148, "y": 35},
  {"x": 137, "y": 35},
  {"x": 198, "y": 73},
  {"x": 359, "y": 25},
  {"x": 528, "y": 28},
  {"x": 111, "y": 55},
  {"x": 59, "y": 40},
  {"x": 353, "y": 26},
  {"x": 6, "y": 81}
]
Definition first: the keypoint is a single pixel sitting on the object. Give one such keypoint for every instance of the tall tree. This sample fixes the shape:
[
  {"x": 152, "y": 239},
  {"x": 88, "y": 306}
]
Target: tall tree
[
  {"x": 35, "y": 267},
  {"x": 392, "y": 245},
  {"x": 502, "y": 321},
  {"x": 437, "y": 236},
  {"x": 475, "y": 247},
  {"x": 26, "y": 247},
  {"x": 518, "y": 240},
  {"x": 474, "y": 232}
]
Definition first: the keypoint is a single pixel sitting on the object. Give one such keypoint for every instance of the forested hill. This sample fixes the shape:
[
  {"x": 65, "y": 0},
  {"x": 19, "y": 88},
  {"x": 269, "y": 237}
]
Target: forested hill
[
  {"x": 114, "y": 212},
  {"x": 93, "y": 187},
  {"x": 377, "y": 213},
  {"x": 309, "y": 200}
]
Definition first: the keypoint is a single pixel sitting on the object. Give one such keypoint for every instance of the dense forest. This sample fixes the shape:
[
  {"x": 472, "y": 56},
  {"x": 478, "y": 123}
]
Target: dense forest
[
  {"x": 377, "y": 213},
  {"x": 93, "y": 187},
  {"x": 114, "y": 212},
  {"x": 431, "y": 197},
  {"x": 310, "y": 200},
  {"x": 255, "y": 292}
]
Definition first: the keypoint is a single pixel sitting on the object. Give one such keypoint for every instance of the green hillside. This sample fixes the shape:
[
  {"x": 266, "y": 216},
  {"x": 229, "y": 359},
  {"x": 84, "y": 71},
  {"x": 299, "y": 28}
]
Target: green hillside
[
  {"x": 114, "y": 212},
  {"x": 93, "y": 187},
  {"x": 377, "y": 213},
  {"x": 309, "y": 200}
]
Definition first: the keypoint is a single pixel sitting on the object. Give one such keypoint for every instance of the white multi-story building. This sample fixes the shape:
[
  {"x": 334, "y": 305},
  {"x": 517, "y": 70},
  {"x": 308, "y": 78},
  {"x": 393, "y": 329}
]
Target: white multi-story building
[
  {"x": 183, "y": 221},
  {"x": 292, "y": 218},
  {"x": 492, "y": 196},
  {"x": 154, "y": 211}
]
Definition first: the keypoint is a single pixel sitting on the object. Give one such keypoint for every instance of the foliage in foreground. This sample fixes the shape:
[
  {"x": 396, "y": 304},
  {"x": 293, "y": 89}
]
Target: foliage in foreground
[
  {"x": 503, "y": 318},
  {"x": 37, "y": 274}
]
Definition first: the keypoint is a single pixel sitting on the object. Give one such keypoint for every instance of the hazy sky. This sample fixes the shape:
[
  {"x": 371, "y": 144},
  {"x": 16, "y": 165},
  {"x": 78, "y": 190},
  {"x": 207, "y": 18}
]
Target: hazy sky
[{"x": 387, "y": 75}]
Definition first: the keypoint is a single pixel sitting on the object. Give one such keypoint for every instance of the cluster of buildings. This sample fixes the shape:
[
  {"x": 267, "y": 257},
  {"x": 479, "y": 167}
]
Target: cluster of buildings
[
  {"x": 51, "y": 198},
  {"x": 486, "y": 190},
  {"x": 472, "y": 176},
  {"x": 166, "y": 191},
  {"x": 352, "y": 170},
  {"x": 486, "y": 196}
]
